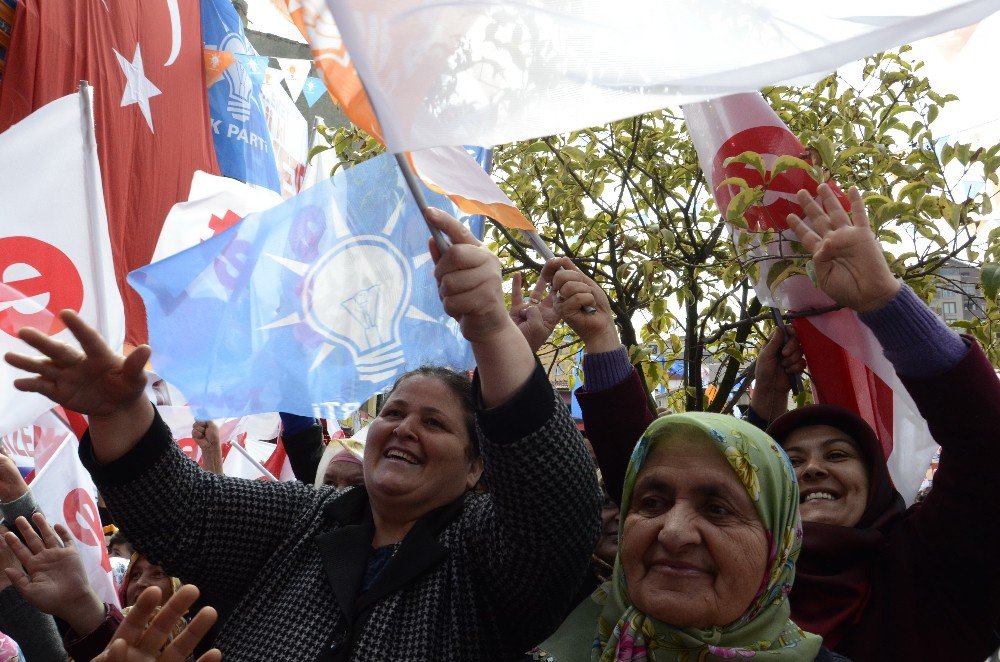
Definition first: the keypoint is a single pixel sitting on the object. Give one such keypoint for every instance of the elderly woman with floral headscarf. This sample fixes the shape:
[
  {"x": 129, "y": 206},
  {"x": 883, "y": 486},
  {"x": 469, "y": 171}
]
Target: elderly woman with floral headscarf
[
  {"x": 709, "y": 536},
  {"x": 870, "y": 576}
]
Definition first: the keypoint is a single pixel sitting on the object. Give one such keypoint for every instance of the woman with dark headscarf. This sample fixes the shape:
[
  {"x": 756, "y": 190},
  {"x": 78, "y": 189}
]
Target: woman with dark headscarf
[{"x": 876, "y": 580}]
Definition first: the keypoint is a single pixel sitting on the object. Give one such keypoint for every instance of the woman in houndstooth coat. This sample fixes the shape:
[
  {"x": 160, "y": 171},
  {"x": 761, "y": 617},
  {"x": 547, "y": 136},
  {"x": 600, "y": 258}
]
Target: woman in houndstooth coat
[{"x": 414, "y": 566}]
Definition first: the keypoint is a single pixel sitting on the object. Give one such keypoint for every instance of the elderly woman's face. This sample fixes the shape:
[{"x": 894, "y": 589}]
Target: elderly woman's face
[
  {"x": 694, "y": 551},
  {"x": 417, "y": 447}
]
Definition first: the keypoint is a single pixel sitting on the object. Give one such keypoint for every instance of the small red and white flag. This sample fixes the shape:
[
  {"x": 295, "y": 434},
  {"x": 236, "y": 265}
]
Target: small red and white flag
[
  {"x": 66, "y": 495},
  {"x": 214, "y": 204}
]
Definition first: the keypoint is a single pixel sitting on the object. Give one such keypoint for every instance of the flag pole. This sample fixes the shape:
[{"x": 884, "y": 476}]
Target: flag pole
[
  {"x": 440, "y": 241},
  {"x": 795, "y": 380},
  {"x": 91, "y": 177},
  {"x": 256, "y": 465}
]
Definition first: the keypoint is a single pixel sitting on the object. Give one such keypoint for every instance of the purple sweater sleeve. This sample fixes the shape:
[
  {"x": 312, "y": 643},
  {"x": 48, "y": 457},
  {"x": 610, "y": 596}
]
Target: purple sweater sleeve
[
  {"x": 605, "y": 370},
  {"x": 913, "y": 338},
  {"x": 615, "y": 413}
]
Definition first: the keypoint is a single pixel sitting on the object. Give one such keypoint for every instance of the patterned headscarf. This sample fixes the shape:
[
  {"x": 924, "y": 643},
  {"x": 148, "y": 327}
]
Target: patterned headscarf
[
  {"x": 122, "y": 590},
  {"x": 625, "y": 633}
]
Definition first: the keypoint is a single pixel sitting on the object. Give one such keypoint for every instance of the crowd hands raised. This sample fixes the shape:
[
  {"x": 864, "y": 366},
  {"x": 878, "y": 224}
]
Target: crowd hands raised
[{"x": 465, "y": 526}]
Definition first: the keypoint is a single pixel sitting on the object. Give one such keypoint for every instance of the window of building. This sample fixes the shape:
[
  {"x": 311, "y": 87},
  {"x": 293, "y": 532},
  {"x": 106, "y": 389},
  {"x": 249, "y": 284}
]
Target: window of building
[{"x": 949, "y": 308}]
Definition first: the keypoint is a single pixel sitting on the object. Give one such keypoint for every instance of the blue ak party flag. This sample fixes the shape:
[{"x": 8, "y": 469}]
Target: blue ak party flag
[
  {"x": 239, "y": 127},
  {"x": 309, "y": 307}
]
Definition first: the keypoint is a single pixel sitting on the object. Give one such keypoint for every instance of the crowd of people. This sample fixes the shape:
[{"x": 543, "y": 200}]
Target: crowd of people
[{"x": 471, "y": 521}]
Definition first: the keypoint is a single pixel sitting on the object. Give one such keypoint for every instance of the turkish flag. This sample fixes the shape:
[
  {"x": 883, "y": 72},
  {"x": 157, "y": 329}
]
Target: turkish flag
[{"x": 144, "y": 60}]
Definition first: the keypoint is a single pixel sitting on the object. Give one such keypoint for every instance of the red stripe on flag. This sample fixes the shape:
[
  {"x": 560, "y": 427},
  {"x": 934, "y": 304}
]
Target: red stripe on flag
[{"x": 839, "y": 378}]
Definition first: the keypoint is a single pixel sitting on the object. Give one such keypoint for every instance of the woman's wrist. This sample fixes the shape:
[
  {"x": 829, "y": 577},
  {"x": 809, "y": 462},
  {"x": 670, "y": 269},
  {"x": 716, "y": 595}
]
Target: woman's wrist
[
  {"x": 602, "y": 342},
  {"x": 84, "y": 614},
  {"x": 115, "y": 434},
  {"x": 505, "y": 363}
]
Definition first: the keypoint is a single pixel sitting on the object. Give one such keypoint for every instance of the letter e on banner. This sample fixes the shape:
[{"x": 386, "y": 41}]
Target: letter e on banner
[
  {"x": 84, "y": 521},
  {"x": 37, "y": 280}
]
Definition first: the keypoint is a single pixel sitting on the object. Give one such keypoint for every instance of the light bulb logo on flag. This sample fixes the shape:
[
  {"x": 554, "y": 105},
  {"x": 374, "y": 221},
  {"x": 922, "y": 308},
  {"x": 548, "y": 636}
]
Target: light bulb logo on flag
[
  {"x": 367, "y": 320},
  {"x": 364, "y": 317}
]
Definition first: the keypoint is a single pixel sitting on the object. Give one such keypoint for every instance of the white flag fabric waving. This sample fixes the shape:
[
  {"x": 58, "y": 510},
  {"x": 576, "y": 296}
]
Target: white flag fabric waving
[
  {"x": 214, "y": 204},
  {"x": 467, "y": 72},
  {"x": 54, "y": 246},
  {"x": 846, "y": 362},
  {"x": 296, "y": 72},
  {"x": 66, "y": 495}
]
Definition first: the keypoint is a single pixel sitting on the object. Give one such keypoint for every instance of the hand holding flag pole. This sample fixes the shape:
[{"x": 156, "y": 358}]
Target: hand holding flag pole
[{"x": 795, "y": 380}]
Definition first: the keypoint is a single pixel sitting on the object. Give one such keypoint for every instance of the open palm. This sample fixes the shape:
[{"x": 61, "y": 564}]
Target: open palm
[
  {"x": 49, "y": 573},
  {"x": 92, "y": 380},
  {"x": 847, "y": 257}
]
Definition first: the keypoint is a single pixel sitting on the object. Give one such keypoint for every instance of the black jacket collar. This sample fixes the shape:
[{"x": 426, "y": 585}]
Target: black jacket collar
[{"x": 346, "y": 549}]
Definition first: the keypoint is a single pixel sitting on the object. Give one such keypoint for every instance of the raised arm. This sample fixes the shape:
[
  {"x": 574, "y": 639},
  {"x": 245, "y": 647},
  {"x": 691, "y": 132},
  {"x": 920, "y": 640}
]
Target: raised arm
[
  {"x": 613, "y": 401},
  {"x": 956, "y": 390},
  {"x": 206, "y": 435},
  {"x": 532, "y": 537},
  {"x": 469, "y": 283},
  {"x": 211, "y": 530},
  {"x": 778, "y": 361}
]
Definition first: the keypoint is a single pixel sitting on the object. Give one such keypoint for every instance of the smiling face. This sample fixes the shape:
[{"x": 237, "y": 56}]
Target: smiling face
[
  {"x": 417, "y": 453},
  {"x": 832, "y": 473},
  {"x": 694, "y": 551}
]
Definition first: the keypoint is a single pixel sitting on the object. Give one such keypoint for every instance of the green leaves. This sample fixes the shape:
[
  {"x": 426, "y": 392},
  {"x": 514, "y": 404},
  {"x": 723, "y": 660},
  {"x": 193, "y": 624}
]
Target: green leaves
[
  {"x": 752, "y": 159},
  {"x": 990, "y": 280}
]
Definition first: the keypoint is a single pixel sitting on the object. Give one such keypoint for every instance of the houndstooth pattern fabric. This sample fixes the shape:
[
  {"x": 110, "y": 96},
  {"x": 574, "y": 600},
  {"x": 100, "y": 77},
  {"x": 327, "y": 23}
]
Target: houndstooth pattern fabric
[{"x": 516, "y": 556}]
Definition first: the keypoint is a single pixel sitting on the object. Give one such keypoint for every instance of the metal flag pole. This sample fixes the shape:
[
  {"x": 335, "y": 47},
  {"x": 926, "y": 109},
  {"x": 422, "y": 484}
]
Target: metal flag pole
[
  {"x": 410, "y": 178},
  {"x": 256, "y": 465},
  {"x": 440, "y": 240},
  {"x": 796, "y": 380},
  {"x": 91, "y": 178}
]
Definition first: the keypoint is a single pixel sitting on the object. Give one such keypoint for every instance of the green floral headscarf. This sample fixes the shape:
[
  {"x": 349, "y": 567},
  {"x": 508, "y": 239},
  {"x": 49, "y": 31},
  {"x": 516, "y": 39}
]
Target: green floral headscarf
[{"x": 622, "y": 632}]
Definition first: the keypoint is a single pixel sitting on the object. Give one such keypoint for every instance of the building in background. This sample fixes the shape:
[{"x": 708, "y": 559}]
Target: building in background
[{"x": 958, "y": 295}]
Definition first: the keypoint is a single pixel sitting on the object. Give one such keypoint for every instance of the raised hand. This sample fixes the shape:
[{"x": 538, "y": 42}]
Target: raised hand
[
  {"x": 778, "y": 361},
  {"x": 574, "y": 291},
  {"x": 49, "y": 574},
  {"x": 537, "y": 317},
  {"x": 206, "y": 435},
  {"x": 135, "y": 641},
  {"x": 92, "y": 380},
  {"x": 847, "y": 257},
  {"x": 469, "y": 281}
]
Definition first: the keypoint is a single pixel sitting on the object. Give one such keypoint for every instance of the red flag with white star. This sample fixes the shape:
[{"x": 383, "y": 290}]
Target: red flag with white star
[{"x": 144, "y": 60}]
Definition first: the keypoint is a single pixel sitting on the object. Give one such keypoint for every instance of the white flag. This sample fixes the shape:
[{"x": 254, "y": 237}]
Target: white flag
[
  {"x": 66, "y": 495},
  {"x": 296, "y": 72},
  {"x": 213, "y": 205},
  {"x": 54, "y": 246},
  {"x": 466, "y": 72}
]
